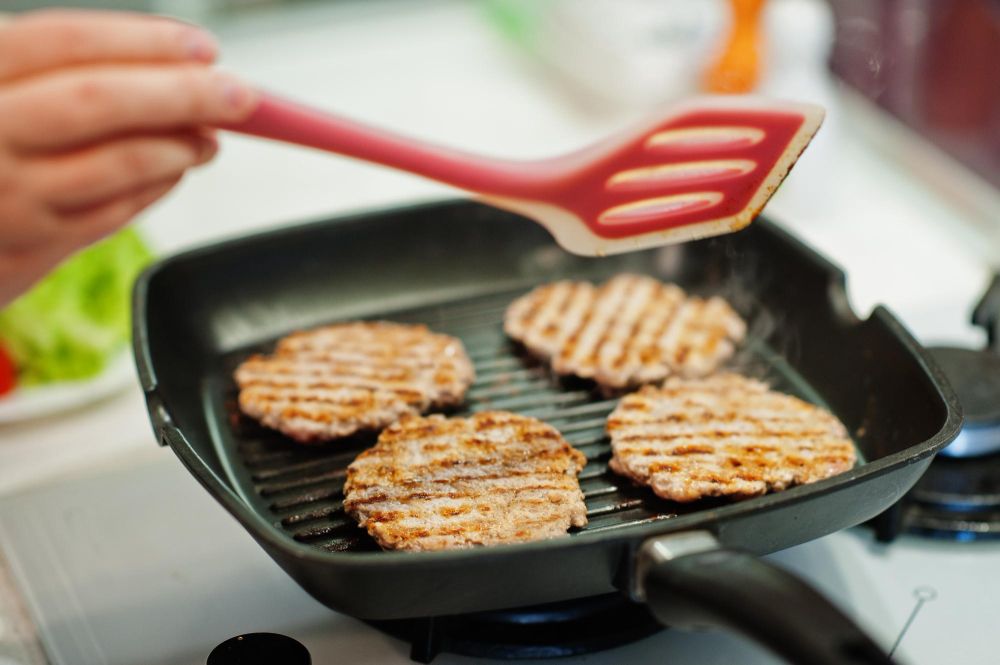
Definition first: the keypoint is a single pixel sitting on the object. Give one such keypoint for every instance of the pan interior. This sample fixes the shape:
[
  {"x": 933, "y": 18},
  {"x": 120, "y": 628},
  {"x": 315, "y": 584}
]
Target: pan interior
[{"x": 299, "y": 488}]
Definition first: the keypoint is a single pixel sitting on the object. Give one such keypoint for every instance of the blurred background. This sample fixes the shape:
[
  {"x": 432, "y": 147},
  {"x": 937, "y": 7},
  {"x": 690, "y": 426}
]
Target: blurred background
[
  {"x": 552, "y": 73},
  {"x": 931, "y": 63}
]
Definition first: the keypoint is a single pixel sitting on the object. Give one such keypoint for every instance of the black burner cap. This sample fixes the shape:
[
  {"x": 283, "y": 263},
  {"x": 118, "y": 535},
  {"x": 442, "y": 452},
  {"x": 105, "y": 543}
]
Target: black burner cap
[
  {"x": 975, "y": 376},
  {"x": 260, "y": 649}
]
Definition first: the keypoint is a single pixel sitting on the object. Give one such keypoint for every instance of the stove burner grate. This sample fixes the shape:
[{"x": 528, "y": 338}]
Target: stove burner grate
[
  {"x": 959, "y": 496},
  {"x": 568, "y": 628}
]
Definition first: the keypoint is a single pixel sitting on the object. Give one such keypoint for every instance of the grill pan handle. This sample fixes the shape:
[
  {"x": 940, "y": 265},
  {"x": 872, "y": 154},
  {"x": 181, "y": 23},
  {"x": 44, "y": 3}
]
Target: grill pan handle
[{"x": 689, "y": 580}]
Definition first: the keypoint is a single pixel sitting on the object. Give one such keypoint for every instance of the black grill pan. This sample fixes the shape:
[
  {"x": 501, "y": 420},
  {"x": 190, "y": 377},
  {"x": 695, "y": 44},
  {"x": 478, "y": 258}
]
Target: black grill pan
[{"x": 455, "y": 266}]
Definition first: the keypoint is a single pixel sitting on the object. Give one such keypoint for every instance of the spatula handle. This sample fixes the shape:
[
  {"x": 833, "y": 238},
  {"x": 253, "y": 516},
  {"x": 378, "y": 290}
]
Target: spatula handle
[{"x": 291, "y": 122}]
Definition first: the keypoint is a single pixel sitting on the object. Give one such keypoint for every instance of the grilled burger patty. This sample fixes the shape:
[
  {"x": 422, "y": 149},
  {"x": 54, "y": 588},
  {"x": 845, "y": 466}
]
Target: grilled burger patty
[
  {"x": 495, "y": 477},
  {"x": 726, "y": 435},
  {"x": 630, "y": 331},
  {"x": 336, "y": 380}
]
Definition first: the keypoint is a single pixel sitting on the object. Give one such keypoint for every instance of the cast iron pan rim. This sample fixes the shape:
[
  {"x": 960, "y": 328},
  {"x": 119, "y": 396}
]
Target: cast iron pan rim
[{"x": 264, "y": 530}]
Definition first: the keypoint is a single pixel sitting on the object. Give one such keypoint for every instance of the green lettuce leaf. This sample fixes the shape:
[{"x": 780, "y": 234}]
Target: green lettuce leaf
[{"x": 69, "y": 325}]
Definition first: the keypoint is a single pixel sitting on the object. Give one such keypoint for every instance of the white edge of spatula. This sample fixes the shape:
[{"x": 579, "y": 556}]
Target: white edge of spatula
[{"x": 575, "y": 236}]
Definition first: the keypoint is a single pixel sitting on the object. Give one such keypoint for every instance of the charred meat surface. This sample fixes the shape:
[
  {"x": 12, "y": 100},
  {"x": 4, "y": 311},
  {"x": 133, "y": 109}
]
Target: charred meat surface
[
  {"x": 724, "y": 436},
  {"x": 630, "y": 331},
  {"x": 336, "y": 380},
  {"x": 437, "y": 483}
]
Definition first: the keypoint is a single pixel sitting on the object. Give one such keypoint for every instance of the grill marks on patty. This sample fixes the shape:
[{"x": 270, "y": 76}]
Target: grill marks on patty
[
  {"x": 724, "y": 436},
  {"x": 336, "y": 380},
  {"x": 630, "y": 331},
  {"x": 496, "y": 477}
]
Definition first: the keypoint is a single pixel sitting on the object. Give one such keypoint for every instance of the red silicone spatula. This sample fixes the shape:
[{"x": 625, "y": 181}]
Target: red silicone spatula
[{"x": 700, "y": 169}]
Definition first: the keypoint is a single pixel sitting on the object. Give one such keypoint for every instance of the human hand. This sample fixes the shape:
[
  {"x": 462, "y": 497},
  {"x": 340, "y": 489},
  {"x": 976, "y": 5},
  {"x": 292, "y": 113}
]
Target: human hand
[{"x": 101, "y": 113}]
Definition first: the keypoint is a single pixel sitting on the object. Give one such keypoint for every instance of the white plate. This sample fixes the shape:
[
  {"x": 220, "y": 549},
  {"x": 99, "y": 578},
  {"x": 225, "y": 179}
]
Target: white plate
[{"x": 39, "y": 401}]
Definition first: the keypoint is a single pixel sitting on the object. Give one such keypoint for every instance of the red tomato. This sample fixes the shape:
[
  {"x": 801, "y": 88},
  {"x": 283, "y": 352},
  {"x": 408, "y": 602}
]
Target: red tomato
[{"x": 8, "y": 373}]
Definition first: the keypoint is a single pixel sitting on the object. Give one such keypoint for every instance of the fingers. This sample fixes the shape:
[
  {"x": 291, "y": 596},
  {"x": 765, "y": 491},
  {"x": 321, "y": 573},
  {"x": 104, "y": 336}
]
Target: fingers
[
  {"x": 21, "y": 266},
  {"x": 93, "y": 224},
  {"x": 45, "y": 40},
  {"x": 99, "y": 102},
  {"x": 95, "y": 175},
  {"x": 20, "y": 269}
]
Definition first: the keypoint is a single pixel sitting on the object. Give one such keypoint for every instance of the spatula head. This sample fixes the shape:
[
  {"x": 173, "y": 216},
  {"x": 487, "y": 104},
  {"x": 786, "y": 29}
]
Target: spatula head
[{"x": 705, "y": 168}]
